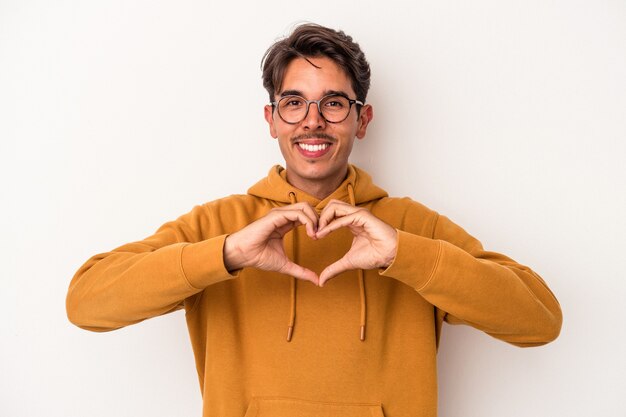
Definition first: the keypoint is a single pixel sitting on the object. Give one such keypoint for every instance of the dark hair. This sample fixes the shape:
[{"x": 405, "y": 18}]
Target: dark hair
[{"x": 312, "y": 40}]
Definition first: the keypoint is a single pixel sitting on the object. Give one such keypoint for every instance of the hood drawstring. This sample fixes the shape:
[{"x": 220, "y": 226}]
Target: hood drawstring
[
  {"x": 361, "y": 277},
  {"x": 292, "y": 312},
  {"x": 294, "y": 282}
]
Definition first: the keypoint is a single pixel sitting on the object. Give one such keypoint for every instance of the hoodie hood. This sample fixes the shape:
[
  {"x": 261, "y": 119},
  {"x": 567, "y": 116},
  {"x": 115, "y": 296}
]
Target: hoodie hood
[{"x": 275, "y": 187}]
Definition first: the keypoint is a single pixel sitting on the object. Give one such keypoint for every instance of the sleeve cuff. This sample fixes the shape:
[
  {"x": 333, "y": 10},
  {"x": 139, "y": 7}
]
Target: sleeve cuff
[
  {"x": 203, "y": 262},
  {"x": 416, "y": 260}
]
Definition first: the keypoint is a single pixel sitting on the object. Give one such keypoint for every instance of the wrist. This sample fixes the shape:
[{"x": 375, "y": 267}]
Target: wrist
[
  {"x": 232, "y": 255},
  {"x": 393, "y": 251}
]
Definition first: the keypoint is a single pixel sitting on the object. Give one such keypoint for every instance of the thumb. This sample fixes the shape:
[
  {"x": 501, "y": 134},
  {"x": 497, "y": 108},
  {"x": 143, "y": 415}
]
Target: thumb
[
  {"x": 335, "y": 269},
  {"x": 299, "y": 272}
]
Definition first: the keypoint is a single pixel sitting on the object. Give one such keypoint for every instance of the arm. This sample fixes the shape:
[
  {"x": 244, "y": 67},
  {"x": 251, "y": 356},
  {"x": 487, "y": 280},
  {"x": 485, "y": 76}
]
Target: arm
[
  {"x": 486, "y": 290},
  {"x": 154, "y": 276},
  {"x": 148, "y": 278},
  {"x": 452, "y": 271}
]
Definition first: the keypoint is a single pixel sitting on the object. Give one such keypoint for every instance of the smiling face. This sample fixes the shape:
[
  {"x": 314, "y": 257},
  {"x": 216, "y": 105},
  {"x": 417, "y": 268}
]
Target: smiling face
[{"x": 316, "y": 152}]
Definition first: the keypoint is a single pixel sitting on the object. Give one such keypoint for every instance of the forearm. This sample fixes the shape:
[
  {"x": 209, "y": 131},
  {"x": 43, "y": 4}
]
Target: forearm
[
  {"x": 138, "y": 281},
  {"x": 484, "y": 289}
]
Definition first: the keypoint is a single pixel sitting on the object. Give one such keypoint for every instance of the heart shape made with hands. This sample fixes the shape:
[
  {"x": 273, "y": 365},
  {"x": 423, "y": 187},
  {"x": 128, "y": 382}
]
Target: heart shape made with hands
[{"x": 260, "y": 244}]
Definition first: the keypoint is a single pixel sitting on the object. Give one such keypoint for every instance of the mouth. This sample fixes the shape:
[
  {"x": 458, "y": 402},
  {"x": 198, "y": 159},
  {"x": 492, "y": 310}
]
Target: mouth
[
  {"x": 309, "y": 147},
  {"x": 312, "y": 147}
]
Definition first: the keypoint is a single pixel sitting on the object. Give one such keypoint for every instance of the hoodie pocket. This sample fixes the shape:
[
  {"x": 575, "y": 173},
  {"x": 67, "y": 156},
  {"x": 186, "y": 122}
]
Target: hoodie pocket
[{"x": 288, "y": 407}]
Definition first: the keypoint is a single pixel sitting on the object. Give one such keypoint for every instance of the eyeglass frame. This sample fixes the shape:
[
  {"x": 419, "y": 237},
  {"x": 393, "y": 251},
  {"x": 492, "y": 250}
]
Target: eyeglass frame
[{"x": 319, "y": 109}]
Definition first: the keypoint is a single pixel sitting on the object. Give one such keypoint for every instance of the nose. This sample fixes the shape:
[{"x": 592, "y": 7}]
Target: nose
[{"x": 314, "y": 119}]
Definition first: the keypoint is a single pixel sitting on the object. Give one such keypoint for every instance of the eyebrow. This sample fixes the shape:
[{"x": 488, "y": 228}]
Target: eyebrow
[
  {"x": 291, "y": 93},
  {"x": 326, "y": 93}
]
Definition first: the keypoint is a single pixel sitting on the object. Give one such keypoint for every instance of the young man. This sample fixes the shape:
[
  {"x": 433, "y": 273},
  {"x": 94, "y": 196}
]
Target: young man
[{"x": 339, "y": 317}]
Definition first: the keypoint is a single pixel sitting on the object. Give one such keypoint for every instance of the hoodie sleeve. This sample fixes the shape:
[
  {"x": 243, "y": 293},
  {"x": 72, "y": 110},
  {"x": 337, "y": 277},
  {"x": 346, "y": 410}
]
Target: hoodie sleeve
[
  {"x": 486, "y": 290},
  {"x": 147, "y": 278}
]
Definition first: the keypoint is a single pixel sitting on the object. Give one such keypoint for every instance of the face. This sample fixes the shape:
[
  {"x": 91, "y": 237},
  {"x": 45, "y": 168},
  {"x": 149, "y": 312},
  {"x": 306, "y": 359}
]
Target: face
[{"x": 316, "y": 152}]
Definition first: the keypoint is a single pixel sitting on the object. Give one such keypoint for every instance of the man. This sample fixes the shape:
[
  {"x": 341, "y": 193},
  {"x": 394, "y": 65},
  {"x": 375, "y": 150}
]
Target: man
[{"x": 315, "y": 293}]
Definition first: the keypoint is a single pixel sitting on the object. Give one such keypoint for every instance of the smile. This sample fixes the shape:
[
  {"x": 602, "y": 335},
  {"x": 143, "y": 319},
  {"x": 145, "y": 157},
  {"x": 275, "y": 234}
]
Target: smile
[
  {"x": 313, "y": 148},
  {"x": 317, "y": 149}
]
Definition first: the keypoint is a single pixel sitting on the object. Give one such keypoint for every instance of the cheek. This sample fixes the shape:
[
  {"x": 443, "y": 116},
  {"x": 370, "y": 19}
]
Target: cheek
[
  {"x": 347, "y": 135},
  {"x": 284, "y": 146},
  {"x": 348, "y": 147},
  {"x": 282, "y": 130}
]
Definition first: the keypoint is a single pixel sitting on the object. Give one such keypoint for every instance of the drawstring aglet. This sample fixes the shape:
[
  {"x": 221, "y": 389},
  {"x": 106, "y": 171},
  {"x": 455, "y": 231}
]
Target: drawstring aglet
[
  {"x": 289, "y": 333},
  {"x": 362, "y": 333}
]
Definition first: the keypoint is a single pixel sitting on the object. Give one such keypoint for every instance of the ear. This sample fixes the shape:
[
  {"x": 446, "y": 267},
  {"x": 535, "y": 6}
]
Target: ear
[
  {"x": 365, "y": 117},
  {"x": 269, "y": 117}
]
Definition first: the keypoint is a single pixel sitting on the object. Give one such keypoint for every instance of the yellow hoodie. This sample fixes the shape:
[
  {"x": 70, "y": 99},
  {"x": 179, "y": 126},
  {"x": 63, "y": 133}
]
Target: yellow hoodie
[{"x": 363, "y": 345}]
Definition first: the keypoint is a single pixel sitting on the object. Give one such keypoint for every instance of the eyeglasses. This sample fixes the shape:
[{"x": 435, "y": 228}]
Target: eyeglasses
[{"x": 334, "y": 108}]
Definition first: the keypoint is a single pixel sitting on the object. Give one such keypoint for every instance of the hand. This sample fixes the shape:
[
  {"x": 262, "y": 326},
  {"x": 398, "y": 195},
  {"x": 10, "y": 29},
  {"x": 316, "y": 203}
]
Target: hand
[
  {"x": 374, "y": 244},
  {"x": 260, "y": 244}
]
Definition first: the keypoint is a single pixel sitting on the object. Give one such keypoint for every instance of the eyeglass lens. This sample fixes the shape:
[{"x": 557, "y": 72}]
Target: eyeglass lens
[{"x": 293, "y": 109}]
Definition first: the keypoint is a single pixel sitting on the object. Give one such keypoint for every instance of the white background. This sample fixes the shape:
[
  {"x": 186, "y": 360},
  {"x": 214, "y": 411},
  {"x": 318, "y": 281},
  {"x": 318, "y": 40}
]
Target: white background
[{"x": 116, "y": 116}]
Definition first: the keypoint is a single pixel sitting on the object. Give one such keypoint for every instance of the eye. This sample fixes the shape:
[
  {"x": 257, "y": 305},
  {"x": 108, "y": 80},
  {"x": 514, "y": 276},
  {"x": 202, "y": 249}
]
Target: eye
[
  {"x": 291, "y": 102},
  {"x": 335, "y": 102}
]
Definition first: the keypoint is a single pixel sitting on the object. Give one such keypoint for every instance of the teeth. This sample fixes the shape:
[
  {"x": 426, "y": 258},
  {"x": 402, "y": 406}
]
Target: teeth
[{"x": 313, "y": 148}]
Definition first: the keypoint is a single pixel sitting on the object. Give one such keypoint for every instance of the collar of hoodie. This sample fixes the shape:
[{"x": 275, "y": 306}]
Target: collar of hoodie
[{"x": 275, "y": 187}]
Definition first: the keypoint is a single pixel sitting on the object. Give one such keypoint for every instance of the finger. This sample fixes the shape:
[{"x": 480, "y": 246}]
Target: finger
[
  {"x": 307, "y": 209},
  {"x": 333, "y": 210},
  {"x": 309, "y": 212},
  {"x": 303, "y": 206},
  {"x": 335, "y": 269},
  {"x": 285, "y": 220},
  {"x": 300, "y": 272},
  {"x": 337, "y": 223}
]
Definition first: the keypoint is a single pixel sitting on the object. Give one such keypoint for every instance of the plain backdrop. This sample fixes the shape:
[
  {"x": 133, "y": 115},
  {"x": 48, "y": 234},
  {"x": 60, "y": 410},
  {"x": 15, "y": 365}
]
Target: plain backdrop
[{"x": 116, "y": 116}]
